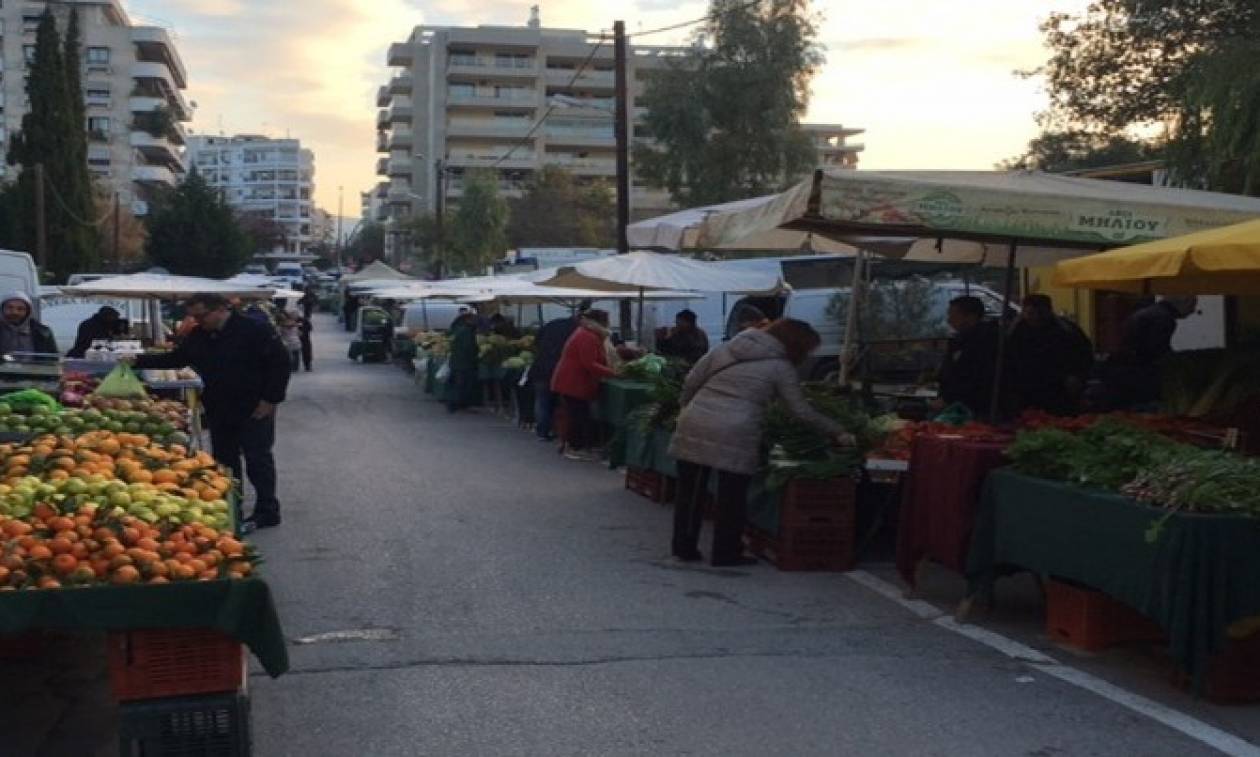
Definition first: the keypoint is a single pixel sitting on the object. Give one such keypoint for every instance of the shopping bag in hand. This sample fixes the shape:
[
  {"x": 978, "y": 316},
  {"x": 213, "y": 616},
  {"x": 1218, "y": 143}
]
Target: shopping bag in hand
[{"x": 122, "y": 383}]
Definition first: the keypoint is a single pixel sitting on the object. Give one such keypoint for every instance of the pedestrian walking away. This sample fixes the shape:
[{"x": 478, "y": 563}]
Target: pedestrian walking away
[
  {"x": 245, "y": 369},
  {"x": 308, "y": 349},
  {"x": 724, "y": 401},
  {"x": 19, "y": 331}
]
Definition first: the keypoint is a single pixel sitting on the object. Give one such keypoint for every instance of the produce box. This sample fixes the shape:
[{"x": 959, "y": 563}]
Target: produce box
[
  {"x": 211, "y": 726},
  {"x": 172, "y": 662},
  {"x": 813, "y": 528},
  {"x": 1090, "y": 620},
  {"x": 805, "y": 548},
  {"x": 1233, "y": 675},
  {"x": 648, "y": 483}
]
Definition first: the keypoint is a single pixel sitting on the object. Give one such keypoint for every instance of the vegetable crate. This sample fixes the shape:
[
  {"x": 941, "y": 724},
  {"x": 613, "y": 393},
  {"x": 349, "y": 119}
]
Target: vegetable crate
[
  {"x": 1233, "y": 675},
  {"x": 1090, "y": 620},
  {"x": 818, "y": 501},
  {"x": 650, "y": 484},
  {"x": 208, "y": 726},
  {"x": 817, "y": 527},
  {"x": 176, "y": 662}
]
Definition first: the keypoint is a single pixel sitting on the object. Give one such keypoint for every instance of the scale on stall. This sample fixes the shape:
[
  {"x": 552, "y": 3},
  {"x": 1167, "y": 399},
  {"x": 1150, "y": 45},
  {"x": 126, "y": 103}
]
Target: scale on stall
[{"x": 30, "y": 370}]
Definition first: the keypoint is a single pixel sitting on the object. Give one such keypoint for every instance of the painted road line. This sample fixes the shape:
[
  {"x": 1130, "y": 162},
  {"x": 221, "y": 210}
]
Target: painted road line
[{"x": 1209, "y": 735}]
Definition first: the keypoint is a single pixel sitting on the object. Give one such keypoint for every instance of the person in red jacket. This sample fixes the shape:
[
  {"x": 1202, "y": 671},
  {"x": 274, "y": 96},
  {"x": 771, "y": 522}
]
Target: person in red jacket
[{"x": 583, "y": 365}]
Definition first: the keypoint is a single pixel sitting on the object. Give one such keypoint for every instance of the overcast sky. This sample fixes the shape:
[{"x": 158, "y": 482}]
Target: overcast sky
[{"x": 932, "y": 82}]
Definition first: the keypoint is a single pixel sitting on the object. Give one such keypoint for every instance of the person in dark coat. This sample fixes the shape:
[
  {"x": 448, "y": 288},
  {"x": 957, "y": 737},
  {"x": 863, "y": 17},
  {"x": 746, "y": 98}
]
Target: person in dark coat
[
  {"x": 309, "y": 301},
  {"x": 966, "y": 375},
  {"x": 308, "y": 349},
  {"x": 349, "y": 308},
  {"x": 246, "y": 373},
  {"x": 1131, "y": 376},
  {"x": 19, "y": 331},
  {"x": 548, "y": 347},
  {"x": 106, "y": 324},
  {"x": 685, "y": 341},
  {"x": 462, "y": 384},
  {"x": 1048, "y": 359}
]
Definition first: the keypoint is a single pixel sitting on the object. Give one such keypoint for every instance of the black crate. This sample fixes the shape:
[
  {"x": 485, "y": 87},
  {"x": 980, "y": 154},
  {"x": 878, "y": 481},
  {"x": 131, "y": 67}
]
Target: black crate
[{"x": 212, "y": 726}]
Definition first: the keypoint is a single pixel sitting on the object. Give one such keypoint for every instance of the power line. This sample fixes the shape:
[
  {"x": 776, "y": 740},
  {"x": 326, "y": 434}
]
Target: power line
[
  {"x": 74, "y": 216},
  {"x": 573, "y": 80},
  {"x": 693, "y": 22}
]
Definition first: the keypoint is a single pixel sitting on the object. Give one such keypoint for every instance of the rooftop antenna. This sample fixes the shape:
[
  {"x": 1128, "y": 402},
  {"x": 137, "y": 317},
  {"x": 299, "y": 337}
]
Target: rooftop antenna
[{"x": 535, "y": 21}]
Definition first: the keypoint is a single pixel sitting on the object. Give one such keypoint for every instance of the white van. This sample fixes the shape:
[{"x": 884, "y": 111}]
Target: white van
[
  {"x": 427, "y": 315},
  {"x": 292, "y": 273}
]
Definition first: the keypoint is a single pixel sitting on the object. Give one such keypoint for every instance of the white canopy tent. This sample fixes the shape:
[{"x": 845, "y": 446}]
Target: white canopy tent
[
  {"x": 646, "y": 271},
  {"x": 375, "y": 271},
  {"x": 681, "y": 231}
]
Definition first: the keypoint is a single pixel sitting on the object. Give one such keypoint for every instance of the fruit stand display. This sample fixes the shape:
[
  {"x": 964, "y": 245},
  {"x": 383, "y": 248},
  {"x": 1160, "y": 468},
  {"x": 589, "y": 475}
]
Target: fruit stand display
[{"x": 110, "y": 532}]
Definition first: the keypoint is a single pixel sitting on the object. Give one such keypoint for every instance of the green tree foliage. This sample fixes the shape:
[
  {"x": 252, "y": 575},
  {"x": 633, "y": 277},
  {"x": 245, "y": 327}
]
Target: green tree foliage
[
  {"x": 1059, "y": 151},
  {"x": 557, "y": 211},
  {"x": 422, "y": 231},
  {"x": 1186, "y": 67},
  {"x": 367, "y": 244},
  {"x": 478, "y": 229},
  {"x": 54, "y": 135},
  {"x": 195, "y": 233},
  {"x": 724, "y": 123}
]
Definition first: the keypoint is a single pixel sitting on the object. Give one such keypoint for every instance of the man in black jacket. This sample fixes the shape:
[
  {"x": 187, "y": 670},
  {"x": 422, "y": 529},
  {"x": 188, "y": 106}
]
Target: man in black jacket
[
  {"x": 550, "y": 344},
  {"x": 1049, "y": 359},
  {"x": 966, "y": 376},
  {"x": 105, "y": 325},
  {"x": 246, "y": 372}
]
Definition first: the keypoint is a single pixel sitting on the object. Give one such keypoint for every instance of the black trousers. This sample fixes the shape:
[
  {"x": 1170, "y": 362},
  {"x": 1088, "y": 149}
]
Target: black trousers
[
  {"x": 732, "y": 507},
  {"x": 578, "y": 432},
  {"x": 308, "y": 351},
  {"x": 253, "y": 440}
]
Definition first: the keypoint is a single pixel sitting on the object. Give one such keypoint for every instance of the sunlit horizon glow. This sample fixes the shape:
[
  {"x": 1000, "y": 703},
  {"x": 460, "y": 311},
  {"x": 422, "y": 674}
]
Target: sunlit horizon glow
[{"x": 934, "y": 87}]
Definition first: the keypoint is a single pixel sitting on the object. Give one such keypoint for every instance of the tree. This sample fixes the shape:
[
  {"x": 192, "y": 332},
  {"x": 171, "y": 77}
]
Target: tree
[
  {"x": 1186, "y": 67},
  {"x": 422, "y": 230},
  {"x": 53, "y": 135},
  {"x": 264, "y": 232},
  {"x": 1059, "y": 151},
  {"x": 132, "y": 234},
  {"x": 556, "y": 211},
  {"x": 724, "y": 123},
  {"x": 478, "y": 229},
  {"x": 195, "y": 233},
  {"x": 366, "y": 245}
]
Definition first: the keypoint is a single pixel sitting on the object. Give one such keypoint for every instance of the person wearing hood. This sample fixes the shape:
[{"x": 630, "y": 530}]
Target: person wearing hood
[
  {"x": 724, "y": 402},
  {"x": 105, "y": 325},
  {"x": 583, "y": 365},
  {"x": 19, "y": 331}
]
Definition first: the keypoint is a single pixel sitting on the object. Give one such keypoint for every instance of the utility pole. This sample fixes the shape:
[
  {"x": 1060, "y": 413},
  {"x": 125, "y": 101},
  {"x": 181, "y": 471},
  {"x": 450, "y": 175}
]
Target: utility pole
[
  {"x": 620, "y": 129},
  {"x": 41, "y": 221},
  {"x": 117, "y": 232},
  {"x": 439, "y": 210}
]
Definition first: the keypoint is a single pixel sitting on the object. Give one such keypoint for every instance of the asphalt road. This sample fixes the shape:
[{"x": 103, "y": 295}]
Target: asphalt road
[{"x": 478, "y": 595}]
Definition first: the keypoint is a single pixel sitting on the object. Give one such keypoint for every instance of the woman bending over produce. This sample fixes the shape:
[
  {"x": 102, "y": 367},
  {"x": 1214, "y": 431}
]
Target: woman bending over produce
[{"x": 724, "y": 405}]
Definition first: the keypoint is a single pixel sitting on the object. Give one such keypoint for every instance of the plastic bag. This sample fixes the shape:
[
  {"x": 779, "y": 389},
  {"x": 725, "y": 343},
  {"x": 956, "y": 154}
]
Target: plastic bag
[
  {"x": 956, "y": 414},
  {"x": 122, "y": 383},
  {"x": 443, "y": 373},
  {"x": 29, "y": 398}
]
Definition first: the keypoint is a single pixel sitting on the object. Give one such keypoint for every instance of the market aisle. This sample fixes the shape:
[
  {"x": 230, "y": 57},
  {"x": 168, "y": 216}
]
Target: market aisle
[{"x": 479, "y": 595}]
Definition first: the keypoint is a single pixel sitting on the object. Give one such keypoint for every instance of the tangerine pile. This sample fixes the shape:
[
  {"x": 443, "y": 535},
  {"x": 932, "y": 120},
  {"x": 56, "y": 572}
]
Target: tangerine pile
[{"x": 51, "y": 550}]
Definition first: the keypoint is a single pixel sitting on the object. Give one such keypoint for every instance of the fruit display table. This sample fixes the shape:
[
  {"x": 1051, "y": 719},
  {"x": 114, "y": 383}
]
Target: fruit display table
[
  {"x": 242, "y": 609},
  {"x": 940, "y": 498},
  {"x": 1200, "y": 575},
  {"x": 618, "y": 398}
]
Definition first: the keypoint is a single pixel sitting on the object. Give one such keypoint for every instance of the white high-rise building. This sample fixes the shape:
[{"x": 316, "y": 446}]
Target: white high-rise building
[
  {"x": 272, "y": 178},
  {"x": 472, "y": 97},
  {"x": 133, "y": 85}
]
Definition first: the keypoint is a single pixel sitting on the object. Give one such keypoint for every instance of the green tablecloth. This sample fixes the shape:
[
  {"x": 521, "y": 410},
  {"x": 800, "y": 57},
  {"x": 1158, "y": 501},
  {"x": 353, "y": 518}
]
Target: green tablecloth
[
  {"x": 242, "y": 609},
  {"x": 1202, "y": 574},
  {"x": 648, "y": 449},
  {"x": 618, "y": 398}
]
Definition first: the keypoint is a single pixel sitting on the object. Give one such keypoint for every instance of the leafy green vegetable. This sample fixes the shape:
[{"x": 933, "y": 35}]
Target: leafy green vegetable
[
  {"x": 798, "y": 450},
  {"x": 1107, "y": 455}
]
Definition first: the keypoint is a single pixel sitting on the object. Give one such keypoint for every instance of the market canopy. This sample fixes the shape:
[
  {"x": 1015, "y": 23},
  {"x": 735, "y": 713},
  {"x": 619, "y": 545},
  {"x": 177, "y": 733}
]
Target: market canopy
[
  {"x": 166, "y": 286},
  {"x": 375, "y": 271},
  {"x": 1217, "y": 261},
  {"x": 681, "y": 231},
  {"x": 642, "y": 271},
  {"x": 977, "y": 216}
]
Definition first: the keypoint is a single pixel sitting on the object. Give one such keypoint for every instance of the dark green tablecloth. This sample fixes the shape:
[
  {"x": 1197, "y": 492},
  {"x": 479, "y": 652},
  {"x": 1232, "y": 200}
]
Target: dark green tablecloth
[
  {"x": 1202, "y": 574},
  {"x": 242, "y": 609},
  {"x": 618, "y": 398},
  {"x": 647, "y": 449}
]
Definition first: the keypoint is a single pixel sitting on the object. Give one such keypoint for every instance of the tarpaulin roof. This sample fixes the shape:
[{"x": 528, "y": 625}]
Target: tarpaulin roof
[
  {"x": 637, "y": 271},
  {"x": 681, "y": 231},
  {"x": 166, "y": 286},
  {"x": 375, "y": 271},
  {"x": 1217, "y": 261},
  {"x": 975, "y": 216}
]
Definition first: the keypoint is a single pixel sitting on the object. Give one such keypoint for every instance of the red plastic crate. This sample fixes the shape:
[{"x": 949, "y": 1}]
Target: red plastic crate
[
  {"x": 22, "y": 646},
  {"x": 646, "y": 483},
  {"x": 811, "y": 547},
  {"x": 818, "y": 501},
  {"x": 1087, "y": 619},
  {"x": 1233, "y": 675},
  {"x": 157, "y": 663}
]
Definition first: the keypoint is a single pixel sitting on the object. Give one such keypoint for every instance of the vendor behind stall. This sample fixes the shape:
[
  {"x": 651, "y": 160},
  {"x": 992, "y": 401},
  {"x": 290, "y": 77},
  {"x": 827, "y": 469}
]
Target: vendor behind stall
[
  {"x": 1131, "y": 377},
  {"x": 19, "y": 331},
  {"x": 685, "y": 341},
  {"x": 1048, "y": 359},
  {"x": 105, "y": 325},
  {"x": 966, "y": 375}
]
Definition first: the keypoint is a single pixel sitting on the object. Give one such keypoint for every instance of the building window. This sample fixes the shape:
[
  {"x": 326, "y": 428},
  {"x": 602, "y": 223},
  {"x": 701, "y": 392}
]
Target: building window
[
  {"x": 30, "y": 23},
  {"x": 98, "y": 56},
  {"x": 98, "y": 128},
  {"x": 28, "y": 53},
  {"x": 98, "y": 162}
]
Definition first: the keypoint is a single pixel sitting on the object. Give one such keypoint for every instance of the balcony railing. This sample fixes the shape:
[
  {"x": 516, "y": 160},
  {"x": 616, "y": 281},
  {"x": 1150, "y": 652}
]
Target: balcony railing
[
  {"x": 523, "y": 98},
  {"x": 562, "y": 77},
  {"x": 488, "y": 128}
]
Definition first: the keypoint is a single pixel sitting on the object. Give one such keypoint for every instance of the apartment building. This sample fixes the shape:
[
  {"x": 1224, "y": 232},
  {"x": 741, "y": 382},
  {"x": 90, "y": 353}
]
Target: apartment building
[
  {"x": 472, "y": 97},
  {"x": 133, "y": 84},
  {"x": 271, "y": 178}
]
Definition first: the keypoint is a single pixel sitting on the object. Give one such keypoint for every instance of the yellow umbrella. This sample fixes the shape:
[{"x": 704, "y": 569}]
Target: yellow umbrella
[{"x": 1224, "y": 260}]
